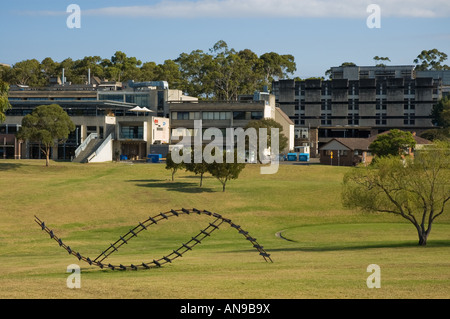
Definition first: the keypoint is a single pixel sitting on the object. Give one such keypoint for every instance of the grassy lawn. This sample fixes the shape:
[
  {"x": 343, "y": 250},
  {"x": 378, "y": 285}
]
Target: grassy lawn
[{"x": 326, "y": 254}]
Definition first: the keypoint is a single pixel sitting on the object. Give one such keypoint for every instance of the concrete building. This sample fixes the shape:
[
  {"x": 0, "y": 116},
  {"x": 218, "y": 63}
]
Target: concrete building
[
  {"x": 358, "y": 102},
  {"x": 223, "y": 115},
  {"x": 154, "y": 95},
  {"x": 105, "y": 129}
]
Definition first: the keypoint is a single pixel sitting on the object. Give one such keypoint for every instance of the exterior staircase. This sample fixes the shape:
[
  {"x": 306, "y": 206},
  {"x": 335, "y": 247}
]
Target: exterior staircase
[
  {"x": 91, "y": 147},
  {"x": 88, "y": 149}
]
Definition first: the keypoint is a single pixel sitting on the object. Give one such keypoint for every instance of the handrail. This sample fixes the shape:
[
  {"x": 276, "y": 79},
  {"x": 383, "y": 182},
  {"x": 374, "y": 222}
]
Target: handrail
[
  {"x": 85, "y": 143},
  {"x": 100, "y": 148}
]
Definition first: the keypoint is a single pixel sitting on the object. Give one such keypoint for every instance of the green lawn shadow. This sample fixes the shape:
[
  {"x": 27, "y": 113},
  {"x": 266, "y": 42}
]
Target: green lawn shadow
[
  {"x": 183, "y": 187},
  {"x": 10, "y": 166},
  {"x": 352, "y": 247}
]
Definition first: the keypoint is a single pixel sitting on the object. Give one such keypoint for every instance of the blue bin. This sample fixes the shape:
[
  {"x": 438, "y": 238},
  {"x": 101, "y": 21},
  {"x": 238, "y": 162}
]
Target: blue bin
[
  {"x": 154, "y": 158},
  {"x": 303, "y": 157},
  {"x": 292, "y": 157},
  {"x": 123, "y": 158}
]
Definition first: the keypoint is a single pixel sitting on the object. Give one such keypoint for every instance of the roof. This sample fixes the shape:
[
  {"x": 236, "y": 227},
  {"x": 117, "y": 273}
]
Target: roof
[{"x": 349, "y": 143}]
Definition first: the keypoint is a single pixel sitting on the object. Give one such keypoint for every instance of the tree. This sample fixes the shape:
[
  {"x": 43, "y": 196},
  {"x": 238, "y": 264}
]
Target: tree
[
  {"x": 173, "y": 166},
  {"x": 441, "y": 134},
  {"x": 417, "y": 190},
  {"x": 394, "y": 143},
  {"x": 380, "y": 60},
  {"x": 431, "y": 60},
  {"x": 4, "y": 103},
  {"x": 198, "y": 168},
  {"x": 226, "y": 171},
  {"x": 441, "y": 113},
  {"x": 47, "y": 125},
  {"x": 277, "y": 66},
  {"x": 27, "y": 72},
  {"x": 195, "y": 68},
  {"x": 121, "y": 67}
]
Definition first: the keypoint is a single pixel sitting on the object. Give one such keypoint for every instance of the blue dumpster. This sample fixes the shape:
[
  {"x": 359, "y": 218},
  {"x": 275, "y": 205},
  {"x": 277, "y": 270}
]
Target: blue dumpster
[
  {"x": 154, "y": 158},
  {"x": 292, "y": 157},
  {"x": 303, "y": 157}
]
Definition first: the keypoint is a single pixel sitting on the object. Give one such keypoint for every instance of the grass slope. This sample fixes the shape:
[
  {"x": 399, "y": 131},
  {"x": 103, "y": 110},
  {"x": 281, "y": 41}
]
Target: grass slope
[{"x": 90, "y": 206}]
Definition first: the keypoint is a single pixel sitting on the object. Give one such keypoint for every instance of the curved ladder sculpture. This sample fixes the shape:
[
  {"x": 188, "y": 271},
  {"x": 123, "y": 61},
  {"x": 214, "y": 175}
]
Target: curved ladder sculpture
[{"x": 98, "y": 261}]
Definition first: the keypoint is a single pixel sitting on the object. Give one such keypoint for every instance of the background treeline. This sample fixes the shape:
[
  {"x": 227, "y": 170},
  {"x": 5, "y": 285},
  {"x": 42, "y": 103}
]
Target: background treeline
[{"x": 222, "y": 73}]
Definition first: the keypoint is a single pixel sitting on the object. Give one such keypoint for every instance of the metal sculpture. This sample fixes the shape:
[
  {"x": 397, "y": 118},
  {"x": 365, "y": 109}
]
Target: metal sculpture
[{"x": 185, "y": 247}]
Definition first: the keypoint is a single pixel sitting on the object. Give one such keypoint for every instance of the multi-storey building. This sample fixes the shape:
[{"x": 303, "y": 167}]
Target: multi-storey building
[
  {"x": 154, "y": 95},
  {"x": 113, "y": 126},
  {"x": 226, "y": 114},
  {"x": 357, "y": 102}
]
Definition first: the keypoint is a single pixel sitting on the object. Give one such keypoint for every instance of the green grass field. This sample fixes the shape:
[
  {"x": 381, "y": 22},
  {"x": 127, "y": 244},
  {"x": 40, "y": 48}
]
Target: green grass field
[{"x": 326, "y": 255}]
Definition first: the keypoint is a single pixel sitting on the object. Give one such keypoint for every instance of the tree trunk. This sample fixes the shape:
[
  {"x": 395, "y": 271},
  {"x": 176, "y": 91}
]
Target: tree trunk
[
  {"x": 201, "y": 179},
  {"x": 423, "y": 236},
  {"x": 47, "y": 156},
  {"x": 223, "y": 187}
]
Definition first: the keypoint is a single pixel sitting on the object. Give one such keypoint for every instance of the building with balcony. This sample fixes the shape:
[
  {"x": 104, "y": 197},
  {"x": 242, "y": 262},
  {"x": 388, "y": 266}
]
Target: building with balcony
[{"x": 105, "y": 129}]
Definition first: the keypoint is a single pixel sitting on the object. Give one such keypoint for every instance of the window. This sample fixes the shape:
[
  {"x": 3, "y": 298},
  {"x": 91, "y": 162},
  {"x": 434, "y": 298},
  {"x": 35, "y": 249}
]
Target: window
[
  {"x": 194, "y": 115},
  {"x": 325, "y": 120},
  {"x": 182, "y": 115},
  {"x": 240, "y": 115},
  {"x": 257, "y": 115},
  {"x": 353, "y": 119},
  {"x": 132, "y": 132}
]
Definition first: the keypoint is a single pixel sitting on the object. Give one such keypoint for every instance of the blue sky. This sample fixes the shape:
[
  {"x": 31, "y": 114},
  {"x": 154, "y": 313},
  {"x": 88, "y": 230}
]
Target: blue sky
[{"x": 319, "y": 33}]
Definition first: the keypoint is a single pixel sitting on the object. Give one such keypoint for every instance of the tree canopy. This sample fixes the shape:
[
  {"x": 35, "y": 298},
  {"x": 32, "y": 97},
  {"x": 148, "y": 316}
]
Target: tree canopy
[
  {"x": 431, "y": 60},
  {"x": 4, "y": 103},
  {"x": 394, "y": 143},
  {"x": 222, "y": 73},
  {"x": 416, "y": 189},
  {"x": 47, "y": 125}
]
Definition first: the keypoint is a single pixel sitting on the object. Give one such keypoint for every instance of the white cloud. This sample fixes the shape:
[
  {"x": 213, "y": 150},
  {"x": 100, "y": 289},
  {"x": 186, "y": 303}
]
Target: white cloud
[{"x": 276, "y": 9}]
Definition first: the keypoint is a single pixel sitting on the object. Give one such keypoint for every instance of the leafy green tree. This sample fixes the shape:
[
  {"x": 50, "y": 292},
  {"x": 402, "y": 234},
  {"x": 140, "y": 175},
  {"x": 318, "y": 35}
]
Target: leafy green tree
[
  {"x": 226, "y": 171},
  {"x": 417, "y": 189},
  {"x": 277, "y": 66},
  {"x": 82, "y": 67},
  {"x": 380, "y": 60},
  {"x": 27, "y": 72},
  {"x": 4, "y": 103},
  {"x": 197, "y": 168},
  {"x": 394, "y": 143},
  {"x": 47, "y": 125},
  {"x": 431, "y": 60},
  {"x": 121, "y": 67},
  {"x": 169, "y": 71},
  {"x": 172, "y": 165},
  {"x": 195, "y": 68},
  {"x": 441, "y": 112},
  {"x": 49, "y": 69},
  {"x": 435, "y": 134}
]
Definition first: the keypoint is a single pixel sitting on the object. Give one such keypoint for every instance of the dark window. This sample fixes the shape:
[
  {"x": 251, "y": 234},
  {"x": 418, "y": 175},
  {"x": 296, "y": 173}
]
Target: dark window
[
  {"x": 183, "y": 116},
  {"x": 239, "y": 115}
]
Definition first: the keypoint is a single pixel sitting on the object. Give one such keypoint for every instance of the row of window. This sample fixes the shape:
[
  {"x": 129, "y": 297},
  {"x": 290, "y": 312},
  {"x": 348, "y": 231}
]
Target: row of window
[
  {"x": 215, "y": 115},
  {"x": 354, "y": 90},
  {"x": 381, "y": 104}
]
